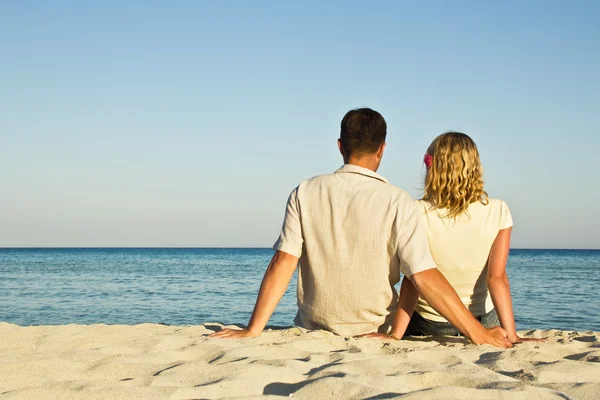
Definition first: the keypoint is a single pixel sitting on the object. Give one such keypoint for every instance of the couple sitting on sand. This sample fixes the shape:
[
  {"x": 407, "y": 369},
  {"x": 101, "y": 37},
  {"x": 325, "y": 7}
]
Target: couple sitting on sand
[{"x": 352, "y": 234}]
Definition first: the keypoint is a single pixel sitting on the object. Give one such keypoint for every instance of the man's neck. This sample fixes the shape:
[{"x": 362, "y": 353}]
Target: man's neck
[{"x": 364, "y": 162}]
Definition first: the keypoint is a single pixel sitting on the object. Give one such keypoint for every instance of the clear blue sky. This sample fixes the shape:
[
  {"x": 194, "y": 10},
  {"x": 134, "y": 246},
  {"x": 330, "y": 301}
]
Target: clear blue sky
[{"x": 188, "y": 123}]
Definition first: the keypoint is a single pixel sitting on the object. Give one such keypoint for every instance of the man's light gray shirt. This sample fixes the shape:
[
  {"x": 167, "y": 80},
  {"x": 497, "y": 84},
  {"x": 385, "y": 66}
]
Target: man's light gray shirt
[{"x": 353, "y": 233}]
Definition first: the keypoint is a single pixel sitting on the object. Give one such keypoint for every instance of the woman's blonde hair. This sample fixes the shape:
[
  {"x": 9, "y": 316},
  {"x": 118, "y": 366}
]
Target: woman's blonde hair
[{"x": 454, "y": 176}]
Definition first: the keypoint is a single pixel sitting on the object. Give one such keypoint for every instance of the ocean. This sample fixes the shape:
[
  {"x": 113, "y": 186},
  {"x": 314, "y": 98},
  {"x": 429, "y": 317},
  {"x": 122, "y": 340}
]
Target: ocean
[{"x": 551, "y": 288}]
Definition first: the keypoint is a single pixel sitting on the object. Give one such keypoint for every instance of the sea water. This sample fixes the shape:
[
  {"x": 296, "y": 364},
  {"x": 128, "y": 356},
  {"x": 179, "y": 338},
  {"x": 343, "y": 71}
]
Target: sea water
[{"x": 550, "y": 288}]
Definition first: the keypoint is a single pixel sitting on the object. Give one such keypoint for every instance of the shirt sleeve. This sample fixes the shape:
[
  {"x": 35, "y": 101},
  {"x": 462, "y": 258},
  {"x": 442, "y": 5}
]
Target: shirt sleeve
[
  {"x": 505, "y": 217},
  {"x": 413, "y": 245},
  {"x": 290, "y": 239}
]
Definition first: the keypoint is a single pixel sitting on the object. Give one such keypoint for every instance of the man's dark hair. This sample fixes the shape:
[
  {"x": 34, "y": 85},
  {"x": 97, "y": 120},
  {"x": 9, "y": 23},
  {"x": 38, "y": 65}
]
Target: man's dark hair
[{"x": 363, "y": 130}]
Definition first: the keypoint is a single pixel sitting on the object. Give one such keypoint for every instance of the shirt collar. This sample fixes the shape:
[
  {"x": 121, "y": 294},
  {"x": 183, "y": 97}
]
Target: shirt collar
[{"x": 355, "y": 169}]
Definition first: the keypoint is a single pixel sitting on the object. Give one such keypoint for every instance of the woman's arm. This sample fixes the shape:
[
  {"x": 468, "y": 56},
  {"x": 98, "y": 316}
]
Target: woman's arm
[
  {"x": 407, "y": 301},
  {"x": 406, "y": 305},
  {"x": 497, "y": 282}
]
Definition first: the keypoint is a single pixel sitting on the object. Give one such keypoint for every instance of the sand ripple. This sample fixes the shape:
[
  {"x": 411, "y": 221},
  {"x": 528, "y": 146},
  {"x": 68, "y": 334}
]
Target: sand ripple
[{"x": 168, "y": 362}]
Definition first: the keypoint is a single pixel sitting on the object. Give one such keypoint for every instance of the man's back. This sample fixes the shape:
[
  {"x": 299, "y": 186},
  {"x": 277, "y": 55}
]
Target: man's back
[{"x": 347, "y": 229}]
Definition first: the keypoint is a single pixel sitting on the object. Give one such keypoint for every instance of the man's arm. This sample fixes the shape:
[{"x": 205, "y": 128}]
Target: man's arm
[
  {"x": 274, "y": 284},
  {"x": 440, "y": 295},
  {"x": 438, "y": 292},
  {"x": 288, "y": 250}
]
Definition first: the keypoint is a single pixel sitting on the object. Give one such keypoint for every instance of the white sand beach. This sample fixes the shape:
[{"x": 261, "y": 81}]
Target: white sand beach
[{"x": 169, "y": 362}]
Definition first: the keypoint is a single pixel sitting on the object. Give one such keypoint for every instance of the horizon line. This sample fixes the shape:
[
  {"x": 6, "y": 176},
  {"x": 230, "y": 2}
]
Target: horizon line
[{"x": 228, "y": 247}]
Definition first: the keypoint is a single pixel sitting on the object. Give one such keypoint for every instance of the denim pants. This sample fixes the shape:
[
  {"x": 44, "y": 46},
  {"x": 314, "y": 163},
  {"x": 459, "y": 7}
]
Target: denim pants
[{"x": 419, "y": 326}]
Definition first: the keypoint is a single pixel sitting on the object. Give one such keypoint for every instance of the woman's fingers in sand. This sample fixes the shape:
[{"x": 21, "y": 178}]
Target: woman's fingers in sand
[
  {"x": 515, "y": 338},
  {"x": 521, "y": 340},
  {"x": 231, "y": 334}
]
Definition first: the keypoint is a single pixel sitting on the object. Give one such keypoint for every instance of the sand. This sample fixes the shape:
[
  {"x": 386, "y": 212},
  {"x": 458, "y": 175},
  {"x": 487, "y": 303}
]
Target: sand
[{"x": 169, "y": 362}]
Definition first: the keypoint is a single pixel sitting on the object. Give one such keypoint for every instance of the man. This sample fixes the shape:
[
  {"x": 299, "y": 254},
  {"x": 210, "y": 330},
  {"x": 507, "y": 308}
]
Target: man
[{"x": 352, "y": 233}]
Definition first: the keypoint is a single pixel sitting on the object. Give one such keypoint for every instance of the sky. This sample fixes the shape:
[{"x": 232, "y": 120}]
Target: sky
[{"x": 188, "y": 123}]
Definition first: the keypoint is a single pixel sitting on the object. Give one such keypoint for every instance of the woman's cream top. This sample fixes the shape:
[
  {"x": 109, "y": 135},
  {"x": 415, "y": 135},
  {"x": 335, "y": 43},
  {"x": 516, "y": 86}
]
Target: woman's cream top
[{"x": 460, "y": 247}]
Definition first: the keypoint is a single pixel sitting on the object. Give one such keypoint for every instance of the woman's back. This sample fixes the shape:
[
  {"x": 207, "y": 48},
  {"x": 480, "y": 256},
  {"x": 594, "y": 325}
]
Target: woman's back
[
  {"x": 460, "y": 247},
  {"x": 469, "y": 238}
]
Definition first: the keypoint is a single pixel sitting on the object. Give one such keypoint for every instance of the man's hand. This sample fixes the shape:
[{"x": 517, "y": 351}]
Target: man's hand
[
  {"x": 495, "y": 336},
  {"x": 275, "y": 282},
  {"x": 232, "y": 334},
  {"x": 436, "y": 290},
  {"x": 377, "y": 335}
]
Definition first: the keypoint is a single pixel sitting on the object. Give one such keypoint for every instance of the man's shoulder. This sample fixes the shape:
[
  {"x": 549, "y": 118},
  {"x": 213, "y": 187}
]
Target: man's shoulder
[
  {"x": 383, "y": 187},
  {"x": 316, "y": 180},
  {"x": 310, "y": 184},
  {"x": 399, "y": 193},
  {"x": 397, "y": 198}
]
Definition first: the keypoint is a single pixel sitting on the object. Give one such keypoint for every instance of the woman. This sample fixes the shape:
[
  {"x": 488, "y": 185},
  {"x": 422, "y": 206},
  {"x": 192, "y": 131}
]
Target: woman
[{"x": 469, "y": 238}]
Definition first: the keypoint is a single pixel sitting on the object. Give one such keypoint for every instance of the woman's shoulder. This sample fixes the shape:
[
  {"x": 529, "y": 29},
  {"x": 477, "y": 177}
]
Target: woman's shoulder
[
  {"x": 496, "y": 202},
  {"x": 493, "y": 206},
  {"x": 423, "y": 205},
  {"x": 498, "y": 210}
]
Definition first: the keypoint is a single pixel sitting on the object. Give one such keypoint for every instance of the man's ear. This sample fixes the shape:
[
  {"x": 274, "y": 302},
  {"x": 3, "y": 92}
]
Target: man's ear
[
  {"x": 341, "y": 148},
  {"x": 380, "y": 151}
]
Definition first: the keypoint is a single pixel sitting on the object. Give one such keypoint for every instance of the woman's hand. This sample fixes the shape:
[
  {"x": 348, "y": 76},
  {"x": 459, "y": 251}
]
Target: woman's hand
[
  {"x": 232, "y": 334},
  {"x": 514, "y": 338}
]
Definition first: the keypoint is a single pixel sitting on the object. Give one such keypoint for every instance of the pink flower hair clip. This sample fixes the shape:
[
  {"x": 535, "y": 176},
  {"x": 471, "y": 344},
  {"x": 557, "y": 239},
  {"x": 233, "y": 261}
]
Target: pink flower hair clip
[{"x": 427, "y": 160}]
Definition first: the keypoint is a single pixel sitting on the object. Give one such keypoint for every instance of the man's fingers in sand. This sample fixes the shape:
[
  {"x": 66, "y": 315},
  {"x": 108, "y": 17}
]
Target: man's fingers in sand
[
  {"x": 499, "y": 329},
  {"x": 375, "y": 335},
  {"x": 221, "y": 333},
  {"x": 230, "y": 334},
  {"x": 500, "y": 337},
  {"x": 226, "y": 334}
]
